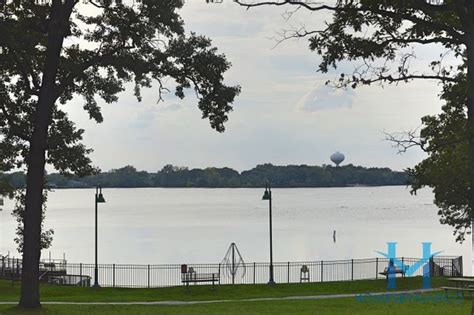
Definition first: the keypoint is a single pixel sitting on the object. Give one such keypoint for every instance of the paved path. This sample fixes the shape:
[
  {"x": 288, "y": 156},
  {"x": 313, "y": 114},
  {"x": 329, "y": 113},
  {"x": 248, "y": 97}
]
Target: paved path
[{"x": 309, "y": 297}]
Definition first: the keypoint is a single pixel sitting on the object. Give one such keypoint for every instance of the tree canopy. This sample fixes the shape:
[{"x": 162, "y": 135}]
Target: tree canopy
[
  {"x": 52, "y": 51},
  {"x": 225, "y": 177},
  {"x": 374, "y": 36},
  {"x": 108, "y": 47}
]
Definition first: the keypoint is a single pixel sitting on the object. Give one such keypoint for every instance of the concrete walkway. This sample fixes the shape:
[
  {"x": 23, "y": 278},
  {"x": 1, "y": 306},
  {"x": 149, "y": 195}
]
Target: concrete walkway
[{"x": 309, "y": 297}]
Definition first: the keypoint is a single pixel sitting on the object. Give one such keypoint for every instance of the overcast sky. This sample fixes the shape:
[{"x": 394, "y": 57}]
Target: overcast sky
[{"x": 284, "y": 115}]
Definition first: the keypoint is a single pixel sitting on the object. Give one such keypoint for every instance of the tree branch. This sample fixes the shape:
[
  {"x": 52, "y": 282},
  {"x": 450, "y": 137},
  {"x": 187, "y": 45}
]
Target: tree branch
[
  {"x": 403, "y": 141},
  {"x": 391, "y": 79},
  {"x": 394, "y": 15}
]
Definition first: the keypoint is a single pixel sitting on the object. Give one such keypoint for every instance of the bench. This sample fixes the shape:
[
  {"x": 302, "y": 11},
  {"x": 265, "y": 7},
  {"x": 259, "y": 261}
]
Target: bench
[
  {"x": 193, "y": 277},
  {"x": 393, "y": 270},
  {"x": 458, "y": 289},
  {"x": 461, "y": 285}
]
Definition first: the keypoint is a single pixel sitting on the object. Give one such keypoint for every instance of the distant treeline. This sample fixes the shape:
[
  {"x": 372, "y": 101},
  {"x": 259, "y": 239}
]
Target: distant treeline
[{"x": 280, "y": 176}]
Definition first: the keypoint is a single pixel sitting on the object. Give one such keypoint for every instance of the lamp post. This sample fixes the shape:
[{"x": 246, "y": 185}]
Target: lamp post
[
  {"x": 99, "y": 198},
  {"x": 267, "y": 195}
]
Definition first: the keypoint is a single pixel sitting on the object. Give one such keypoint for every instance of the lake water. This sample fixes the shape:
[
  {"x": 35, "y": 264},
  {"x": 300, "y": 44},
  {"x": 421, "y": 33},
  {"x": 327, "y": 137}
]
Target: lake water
[{"x": 165, "y": 225}]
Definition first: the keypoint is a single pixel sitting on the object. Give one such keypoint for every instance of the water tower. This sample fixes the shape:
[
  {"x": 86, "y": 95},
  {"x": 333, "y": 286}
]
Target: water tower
[{"x": 337, "y": 158}]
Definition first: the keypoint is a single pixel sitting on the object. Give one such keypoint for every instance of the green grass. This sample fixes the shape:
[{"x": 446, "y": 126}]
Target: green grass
[
  {"x": 200, "y": 293},
  {"x": 236, "y": 292},
  {"x": 334, "y": 306}
]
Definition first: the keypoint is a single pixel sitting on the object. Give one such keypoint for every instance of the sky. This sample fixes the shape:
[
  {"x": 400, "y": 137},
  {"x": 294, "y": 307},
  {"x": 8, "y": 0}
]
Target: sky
[{"x": 284, "y": 115}]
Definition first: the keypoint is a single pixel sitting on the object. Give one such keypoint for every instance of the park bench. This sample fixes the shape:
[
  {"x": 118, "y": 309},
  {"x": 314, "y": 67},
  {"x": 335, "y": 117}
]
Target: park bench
[
  {"x": 393, "y": 270},
  {"x": 458, "y": 290},
  {"x": 190, "y": 276},
  {"x": 194, "y": 277},
  {"x": 462, "y": 285}
]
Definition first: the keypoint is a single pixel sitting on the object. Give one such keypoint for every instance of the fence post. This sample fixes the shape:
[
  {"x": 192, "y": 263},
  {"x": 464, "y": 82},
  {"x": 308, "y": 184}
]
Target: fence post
[
  {"x": 253, "y": 273},
  {"x": 113, "y": 275},
  {"x": 322, "y": 263},
  {"x": 431, "y": 267},
  {"x": 3, "y": 266},
  {"x": 51, "y": 269},
  {"x": 149, "y": 276},
  {"x": 80, "y": 275},
  {"x": 376, "y": 268},
  {"x": 352, "y": 270},
  {"x": 288, "y": 272}
]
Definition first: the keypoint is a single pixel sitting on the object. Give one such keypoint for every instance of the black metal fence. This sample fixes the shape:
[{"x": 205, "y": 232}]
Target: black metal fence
[{"x": 152, "y": 276}]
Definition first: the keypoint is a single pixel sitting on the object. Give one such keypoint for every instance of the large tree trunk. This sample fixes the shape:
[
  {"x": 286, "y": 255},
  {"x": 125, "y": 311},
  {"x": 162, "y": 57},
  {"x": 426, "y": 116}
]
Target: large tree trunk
[
  {"x": 30, "y": 296},
  {"x": 470, "y": 131}
]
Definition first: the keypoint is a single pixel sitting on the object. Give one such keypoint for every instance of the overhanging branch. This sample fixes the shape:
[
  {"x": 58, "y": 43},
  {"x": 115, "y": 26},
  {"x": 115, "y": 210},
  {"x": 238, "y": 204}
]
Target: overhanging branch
[{"x": 365, "y": 10}]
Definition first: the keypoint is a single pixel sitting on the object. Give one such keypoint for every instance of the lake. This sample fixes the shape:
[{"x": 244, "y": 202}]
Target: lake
[{"x": 166, "y": 225}]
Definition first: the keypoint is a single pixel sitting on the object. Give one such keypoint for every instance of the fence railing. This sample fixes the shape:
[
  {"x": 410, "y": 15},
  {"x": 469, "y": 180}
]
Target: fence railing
[{"x": 163, "y": 275}]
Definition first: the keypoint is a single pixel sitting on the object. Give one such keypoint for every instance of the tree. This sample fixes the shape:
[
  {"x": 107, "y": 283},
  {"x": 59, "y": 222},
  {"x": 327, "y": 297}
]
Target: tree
[
  {"x": 382, "y": 36},
  {"x": 54, "y": 50},
  {"x": 446, "y": 170}
]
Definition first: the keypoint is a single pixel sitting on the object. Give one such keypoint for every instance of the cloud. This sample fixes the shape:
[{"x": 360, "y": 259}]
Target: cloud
[
  {"x": 170, "y": 107},
  {"x": 325, "y": 98}
]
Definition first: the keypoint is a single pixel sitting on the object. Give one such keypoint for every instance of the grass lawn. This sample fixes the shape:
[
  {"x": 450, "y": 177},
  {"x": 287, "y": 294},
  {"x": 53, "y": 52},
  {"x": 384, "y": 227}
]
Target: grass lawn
[
  {"x": 201, "y": 293},
  {"x": 327, "y": 306},
  {"x": 333, "y": 306}
]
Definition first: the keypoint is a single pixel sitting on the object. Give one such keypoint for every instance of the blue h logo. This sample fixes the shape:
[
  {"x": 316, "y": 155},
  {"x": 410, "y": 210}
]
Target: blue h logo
[{"x": 394, "y": 262}]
